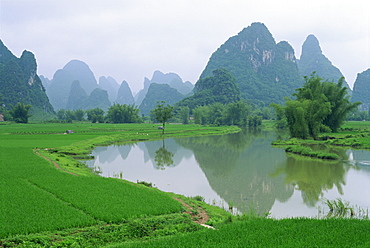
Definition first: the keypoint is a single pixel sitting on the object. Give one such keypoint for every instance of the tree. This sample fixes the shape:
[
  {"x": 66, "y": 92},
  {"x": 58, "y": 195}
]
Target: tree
[
  {"x": 184, "y": 114},
  {"x": 61, "y": 114},
  {"x": 163, "y": 113},
  {"x": 236, "y": 113},
  {"x": 319, "y": 106},
  {"x": 95, "y": 115},
  {"x": 20, "y": 113},
  {"x": 123, "y": 114},
  {"x": 79, "y": 114}
]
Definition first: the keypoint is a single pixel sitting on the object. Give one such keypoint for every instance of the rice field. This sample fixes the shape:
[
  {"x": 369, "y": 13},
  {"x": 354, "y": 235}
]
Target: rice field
[
  {"x": 262, "y": 232},
  {"x": 36, "y": 196}
]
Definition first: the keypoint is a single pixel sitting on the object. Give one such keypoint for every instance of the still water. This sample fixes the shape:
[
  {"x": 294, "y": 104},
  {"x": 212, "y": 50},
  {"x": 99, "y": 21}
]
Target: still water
[{"x": 242, "y": 170}]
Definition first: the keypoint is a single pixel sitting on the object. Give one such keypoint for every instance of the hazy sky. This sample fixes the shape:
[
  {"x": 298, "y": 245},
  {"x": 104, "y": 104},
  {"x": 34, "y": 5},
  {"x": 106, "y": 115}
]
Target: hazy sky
[{"x": 129, "y": 40}]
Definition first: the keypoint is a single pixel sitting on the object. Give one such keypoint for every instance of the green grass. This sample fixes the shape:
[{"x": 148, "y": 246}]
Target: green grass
[
  {"x": 261, "y": 232},
  {"x": 307, "y": 151}
]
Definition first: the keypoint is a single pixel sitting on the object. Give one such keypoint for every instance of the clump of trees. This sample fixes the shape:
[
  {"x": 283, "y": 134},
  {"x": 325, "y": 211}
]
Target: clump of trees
[
  {"x": 320, "y": 106},
  {"x": 20, "y": 113},
  {"x": 116, "y": 114},
  {"x": 123, "y": 114},
  {"x": 236, "y": 113}
]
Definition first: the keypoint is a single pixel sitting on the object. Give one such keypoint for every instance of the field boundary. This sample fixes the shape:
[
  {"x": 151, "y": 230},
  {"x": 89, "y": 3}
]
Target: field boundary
[
  {"x": 54, "y": 163},
  {"x": 58, "y": 198}
]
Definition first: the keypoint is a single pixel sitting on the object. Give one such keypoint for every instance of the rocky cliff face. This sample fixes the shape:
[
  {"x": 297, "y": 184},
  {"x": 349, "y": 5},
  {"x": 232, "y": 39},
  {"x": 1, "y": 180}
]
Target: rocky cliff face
[
  {"x": 19, "y": 82},
  {"x": 264, "y": 71},
  {"x": 313, "y": 60},
  {"x": 361, "y": 89}
]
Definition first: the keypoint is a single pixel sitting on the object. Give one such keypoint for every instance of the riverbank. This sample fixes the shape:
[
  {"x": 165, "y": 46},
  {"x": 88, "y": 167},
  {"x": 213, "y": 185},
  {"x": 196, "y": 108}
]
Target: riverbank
[{"x": 354, "y": 134}]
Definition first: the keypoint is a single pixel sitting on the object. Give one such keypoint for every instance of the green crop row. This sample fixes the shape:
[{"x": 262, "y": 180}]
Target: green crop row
[
  {"x": 261, "y": 232},
  {"x": 36, "y": 196}
]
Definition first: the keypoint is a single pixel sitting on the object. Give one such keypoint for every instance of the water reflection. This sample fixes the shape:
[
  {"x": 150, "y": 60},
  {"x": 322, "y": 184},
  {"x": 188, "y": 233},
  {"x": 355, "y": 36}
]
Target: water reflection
[
  {"x": 163, "y": 158},
  {"x": 242, "y": 169},
  {"x": 313, "y": 177}
]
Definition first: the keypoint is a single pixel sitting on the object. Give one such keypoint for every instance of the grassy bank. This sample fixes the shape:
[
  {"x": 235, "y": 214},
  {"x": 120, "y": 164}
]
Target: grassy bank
[{"x": 354, "y": 134}]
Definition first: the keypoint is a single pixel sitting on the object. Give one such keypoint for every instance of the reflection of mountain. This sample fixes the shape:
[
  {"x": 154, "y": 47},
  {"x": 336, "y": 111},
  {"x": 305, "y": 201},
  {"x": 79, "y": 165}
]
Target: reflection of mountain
[
  {"x": 312, "y": 176},
  {"x": 124, "y": 151},
  {"x": 238, "y": 168},
  {"x": 108, "y": 155},
  {"x": 150, "y": 147}
]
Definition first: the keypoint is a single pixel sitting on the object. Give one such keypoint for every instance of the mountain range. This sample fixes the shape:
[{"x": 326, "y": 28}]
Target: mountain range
[{"x": 264, "y": 71}]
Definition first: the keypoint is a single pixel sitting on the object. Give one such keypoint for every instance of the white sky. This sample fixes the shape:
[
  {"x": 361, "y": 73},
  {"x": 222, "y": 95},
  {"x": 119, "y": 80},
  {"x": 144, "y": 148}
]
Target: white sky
[{"x": 130, "y": 39}]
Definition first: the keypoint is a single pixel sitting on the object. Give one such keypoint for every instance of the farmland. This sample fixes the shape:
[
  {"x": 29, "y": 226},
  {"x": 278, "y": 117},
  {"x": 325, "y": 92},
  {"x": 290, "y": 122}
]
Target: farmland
[
  {"x": 39, "y": 197},
  {"x": 42, "y": 205}
]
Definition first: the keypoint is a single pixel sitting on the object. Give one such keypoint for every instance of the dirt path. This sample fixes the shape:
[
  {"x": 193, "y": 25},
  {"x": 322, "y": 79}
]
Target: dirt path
[
  {"x": 199, "y": 216},
  {"x": 54, "y": 163}
]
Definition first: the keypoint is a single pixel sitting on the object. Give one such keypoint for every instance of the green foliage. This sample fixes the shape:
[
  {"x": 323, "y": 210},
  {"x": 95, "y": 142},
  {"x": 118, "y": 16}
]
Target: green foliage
[
  {"x": 95, "y": 115},
  {"x": 70, "y": 115},
  {"x": 236, "y": 113},
  {"x": 123, "y": 114},
  {"x": 163, "y": 113},
  {"x": 184, "y": 114},
  {"x": 219, "y": 88},
  {"x": 307, "y": 151},
  {"x": 319, "y": 106},
  {"x": 20, "y": 113}
]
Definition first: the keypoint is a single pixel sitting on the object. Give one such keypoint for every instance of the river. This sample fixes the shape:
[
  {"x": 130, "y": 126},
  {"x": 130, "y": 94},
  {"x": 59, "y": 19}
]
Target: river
[{"x": 242, "y": 170}]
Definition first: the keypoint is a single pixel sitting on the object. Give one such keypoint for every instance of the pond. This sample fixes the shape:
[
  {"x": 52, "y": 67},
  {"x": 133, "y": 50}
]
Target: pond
[{"x": 242, "y": 170}]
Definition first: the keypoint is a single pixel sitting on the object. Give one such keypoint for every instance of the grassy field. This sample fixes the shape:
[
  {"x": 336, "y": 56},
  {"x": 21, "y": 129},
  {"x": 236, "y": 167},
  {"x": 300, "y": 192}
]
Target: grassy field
[{"x": 45, "y": 206}]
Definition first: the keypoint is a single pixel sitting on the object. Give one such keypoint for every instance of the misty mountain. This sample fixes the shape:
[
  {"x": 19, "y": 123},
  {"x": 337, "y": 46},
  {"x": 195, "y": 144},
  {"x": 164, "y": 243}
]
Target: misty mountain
[
  {"x": 20, "y": 83},
  {"x": 45, "y": 81},
  {"x": 171, "y": 79},
  {"x": 77, "y": 96},
  {"x": 313, "y": 60},
  {"x": 78, "y": 99},
  {"x": 124, "y": 95},
  {"x": 265, "y": 72},
  {"x": 159, "y": 92},
  {"x": 110, "y": 85},
  {"x": 97, "y": 99},
  {"x": 60, "y": 86},
  {"x": 361, "y": 89}
]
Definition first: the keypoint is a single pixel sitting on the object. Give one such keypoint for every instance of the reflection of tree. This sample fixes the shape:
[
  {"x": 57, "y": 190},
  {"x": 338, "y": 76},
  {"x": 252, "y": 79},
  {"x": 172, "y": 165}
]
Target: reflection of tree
[
  {"x": 313, "y": 176},
  {"x": 163, "y": 158},
  {"x": 238, "y": 168}
]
